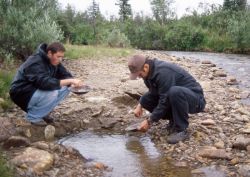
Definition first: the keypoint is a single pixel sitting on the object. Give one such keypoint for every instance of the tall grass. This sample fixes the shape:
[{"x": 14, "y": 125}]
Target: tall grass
[
  {"x": 95, "y": 52},
  {"x": 5, "y": 81},
  {"x": 5, "y": 171}
]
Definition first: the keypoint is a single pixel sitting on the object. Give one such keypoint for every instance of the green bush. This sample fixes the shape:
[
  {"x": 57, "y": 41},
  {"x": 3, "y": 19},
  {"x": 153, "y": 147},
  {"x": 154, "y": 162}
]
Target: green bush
[
  {"x": 117, "y": 39},
  {"x": 22, "y": 30},
  {"x": 184, "y": 36}
]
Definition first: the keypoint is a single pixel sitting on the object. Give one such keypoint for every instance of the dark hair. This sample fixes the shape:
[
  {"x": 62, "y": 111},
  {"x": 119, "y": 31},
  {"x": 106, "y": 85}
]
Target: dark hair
[{"x": 55, "y": 47}]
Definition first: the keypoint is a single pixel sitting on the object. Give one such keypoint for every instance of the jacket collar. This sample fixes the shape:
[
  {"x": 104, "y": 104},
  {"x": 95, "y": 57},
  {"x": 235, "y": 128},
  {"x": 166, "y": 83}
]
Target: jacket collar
[
  {"x": 151, "y": 63},
  {"x": 42, "y": 52}
]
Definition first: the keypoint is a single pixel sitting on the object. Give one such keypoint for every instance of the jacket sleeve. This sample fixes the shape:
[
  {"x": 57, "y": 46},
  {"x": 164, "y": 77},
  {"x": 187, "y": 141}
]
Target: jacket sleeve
[
  {"x": 164, "y": 81},
  {"x": 63, "y": 73},
  {"x": 39, "y": 76}
]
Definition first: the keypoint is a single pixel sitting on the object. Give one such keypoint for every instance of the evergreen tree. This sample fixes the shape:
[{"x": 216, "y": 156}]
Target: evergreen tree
[
  {"x": 162, "y": 10},
  {"x": 235, "y": 5},
  {"x": 125, "y": 11}
]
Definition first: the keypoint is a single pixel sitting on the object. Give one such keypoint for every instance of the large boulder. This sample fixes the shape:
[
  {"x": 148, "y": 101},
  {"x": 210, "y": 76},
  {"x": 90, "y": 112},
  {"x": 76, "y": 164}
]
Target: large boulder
[{"x": 34, "y": 160}]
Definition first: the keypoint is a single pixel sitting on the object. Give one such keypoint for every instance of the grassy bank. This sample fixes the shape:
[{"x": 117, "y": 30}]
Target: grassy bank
[
  {"x": 77, "y": 51},
  {"x": 5, "y": 171},
  {"x": 5, "y": 81}
]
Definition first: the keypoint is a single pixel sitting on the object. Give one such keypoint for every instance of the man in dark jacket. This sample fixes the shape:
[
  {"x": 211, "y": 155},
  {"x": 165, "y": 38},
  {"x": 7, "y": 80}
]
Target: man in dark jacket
[
  {"x": 41, "y": 82},
  {"x": 173, "y": 93}
]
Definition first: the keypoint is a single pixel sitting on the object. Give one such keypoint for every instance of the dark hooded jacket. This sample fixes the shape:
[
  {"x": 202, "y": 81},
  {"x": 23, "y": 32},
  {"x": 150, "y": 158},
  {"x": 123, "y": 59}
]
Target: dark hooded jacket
[
  {"x": 36, "y": 73},
  {"x": 162, "y": 76}
]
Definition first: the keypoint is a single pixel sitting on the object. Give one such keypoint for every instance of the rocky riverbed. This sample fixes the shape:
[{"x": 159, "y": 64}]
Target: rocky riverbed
[{"x": 219, "y": 143}]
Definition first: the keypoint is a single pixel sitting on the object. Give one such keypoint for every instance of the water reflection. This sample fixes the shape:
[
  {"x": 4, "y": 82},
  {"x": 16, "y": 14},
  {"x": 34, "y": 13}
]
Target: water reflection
[{"x": 128, "y": 156}]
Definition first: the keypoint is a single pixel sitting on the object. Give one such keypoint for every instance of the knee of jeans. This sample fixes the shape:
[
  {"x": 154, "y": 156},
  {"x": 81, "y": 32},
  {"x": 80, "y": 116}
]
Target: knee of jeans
[{"x": 51, "y": 95}]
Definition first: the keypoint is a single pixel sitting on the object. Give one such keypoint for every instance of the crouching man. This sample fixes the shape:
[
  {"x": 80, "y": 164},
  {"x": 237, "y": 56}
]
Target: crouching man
[
  {"x": 173, "y": 93},
  {"x": 41, "y": 83}
]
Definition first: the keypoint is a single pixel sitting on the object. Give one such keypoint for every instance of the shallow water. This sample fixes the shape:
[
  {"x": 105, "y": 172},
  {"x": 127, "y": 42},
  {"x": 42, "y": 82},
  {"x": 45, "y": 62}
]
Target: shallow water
[
  {"x": 235, "y": 64},
  {"x": 125, "y": 155}
]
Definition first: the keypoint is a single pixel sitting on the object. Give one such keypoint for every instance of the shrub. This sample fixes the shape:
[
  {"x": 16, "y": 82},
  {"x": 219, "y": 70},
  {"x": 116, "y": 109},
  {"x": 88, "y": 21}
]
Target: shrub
[{"x": 117, "y": 39}]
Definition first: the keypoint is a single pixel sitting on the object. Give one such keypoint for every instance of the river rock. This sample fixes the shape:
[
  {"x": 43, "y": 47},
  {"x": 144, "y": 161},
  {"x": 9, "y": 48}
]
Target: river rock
[
  {"x": 214, "y": 153},
  {"x": 231, "y": 80},
  {"x": 40, "y": 145},
  {"x": 206, "y": 62},
  {"x": 220, "y": 145},
  {"x": 210, "y": 171},
  {"x": 34, "y": 159},
  {"x": 16, "y": 141},
  {"x": 241, "y": 143},
  {"x": 244, "y": 170},
  {"x": 108, "y": 123},
  {"x": 220, "y": 73},
  {"x": 208, "y": 122},
  {"x": 49, "y": 132},
  {"x": 7, "y": 129}
]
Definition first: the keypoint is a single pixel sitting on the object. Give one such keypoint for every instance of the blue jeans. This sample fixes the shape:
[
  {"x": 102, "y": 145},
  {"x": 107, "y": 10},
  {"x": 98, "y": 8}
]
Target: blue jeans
[{"x": 43, "y": 102}]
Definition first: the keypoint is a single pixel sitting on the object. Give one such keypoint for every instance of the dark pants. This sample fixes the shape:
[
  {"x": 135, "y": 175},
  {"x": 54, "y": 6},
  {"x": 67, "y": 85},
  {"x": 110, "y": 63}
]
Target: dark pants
[{"x": 180, "y": 102}]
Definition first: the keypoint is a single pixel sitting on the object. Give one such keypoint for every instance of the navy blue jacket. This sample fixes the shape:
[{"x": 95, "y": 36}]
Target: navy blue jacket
[
  {"x": 162, "y": 76},
  {"x": 36, "y": 73}
]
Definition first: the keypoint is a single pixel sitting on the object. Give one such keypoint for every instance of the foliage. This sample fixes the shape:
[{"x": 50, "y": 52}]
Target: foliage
[
  {"x": 5, "y": 171},
  {"x": 22, "y": 30},
  {"x": 125, "y": 11},
  {"x": 117, "y": 39},
  {"x": 5, "y": 81}
]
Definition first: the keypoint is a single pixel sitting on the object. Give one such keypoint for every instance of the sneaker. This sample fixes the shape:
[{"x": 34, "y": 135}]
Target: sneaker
[
  {"x": 177, "y": 136},
  {"x": 48, "y": 120}
]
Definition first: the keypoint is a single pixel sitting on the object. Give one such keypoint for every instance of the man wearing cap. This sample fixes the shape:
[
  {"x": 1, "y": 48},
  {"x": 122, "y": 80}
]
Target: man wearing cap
[{"x": 172, "y": 94}]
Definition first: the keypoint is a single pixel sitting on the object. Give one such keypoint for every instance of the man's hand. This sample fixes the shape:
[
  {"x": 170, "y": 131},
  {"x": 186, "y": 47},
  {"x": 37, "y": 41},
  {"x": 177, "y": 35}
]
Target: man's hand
[
  {"x": 138, "y": 111},
  {"x": 76, "y": 83},
  {"x": 71, "y": 82},
  {"x": 144, "y": 126}
]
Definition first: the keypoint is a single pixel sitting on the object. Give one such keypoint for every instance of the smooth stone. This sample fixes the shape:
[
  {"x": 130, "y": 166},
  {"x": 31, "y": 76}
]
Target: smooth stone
[
  {"x": 49, "y": 132},
  {"x": 220, "y": 145},
  {"x": 241, "y": 143},
  {"x": 7, "y": 129},
  {"x": 34, "y": 159},
  {"x": 244, "y": 170},
  {"x": 208, "y": 122},
  {"x": 214, "y": 153}
]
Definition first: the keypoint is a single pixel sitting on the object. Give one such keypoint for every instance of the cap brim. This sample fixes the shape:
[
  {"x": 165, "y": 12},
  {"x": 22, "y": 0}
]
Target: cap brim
[{"x": 133, "y": 76}]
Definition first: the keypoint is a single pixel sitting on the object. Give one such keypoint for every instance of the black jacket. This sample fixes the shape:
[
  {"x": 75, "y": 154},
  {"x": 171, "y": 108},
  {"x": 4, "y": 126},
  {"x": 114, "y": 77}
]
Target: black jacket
[
  {"x": 162, "y": 76},
  {"x": 36, "y": 73}
]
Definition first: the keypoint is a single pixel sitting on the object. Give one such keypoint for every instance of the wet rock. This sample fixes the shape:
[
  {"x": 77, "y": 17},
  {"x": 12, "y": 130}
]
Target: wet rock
[
  {"x": 220, "y": 145},
  {"x": 208, "y": 122},
  {"x": 16, "y": 141},
  {"x": 7, "y": 129},
  {"x": 100, "y": 165},
  {"x": 181, "y": 164},
  {"x": 49, "y": 132},
  {"x": 214, "y": 153},
  {"x": 241, "y": 143},
  {"x": 231, "y": 81},
  {"x": 108, "y": 123},
  {"x": 220, "y": 73},
  {"x": 244, "y": 170},
  {"x": 206, "y": 62},
  {"x": 34, "y": 160}
]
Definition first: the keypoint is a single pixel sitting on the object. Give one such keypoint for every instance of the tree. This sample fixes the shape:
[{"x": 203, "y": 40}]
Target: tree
[
  {"x": 162, "y": 10},
  {"x": 95, "y": 18},
  {"x": 125, "y": 11},
  {"x": 235, "y": 5}
]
